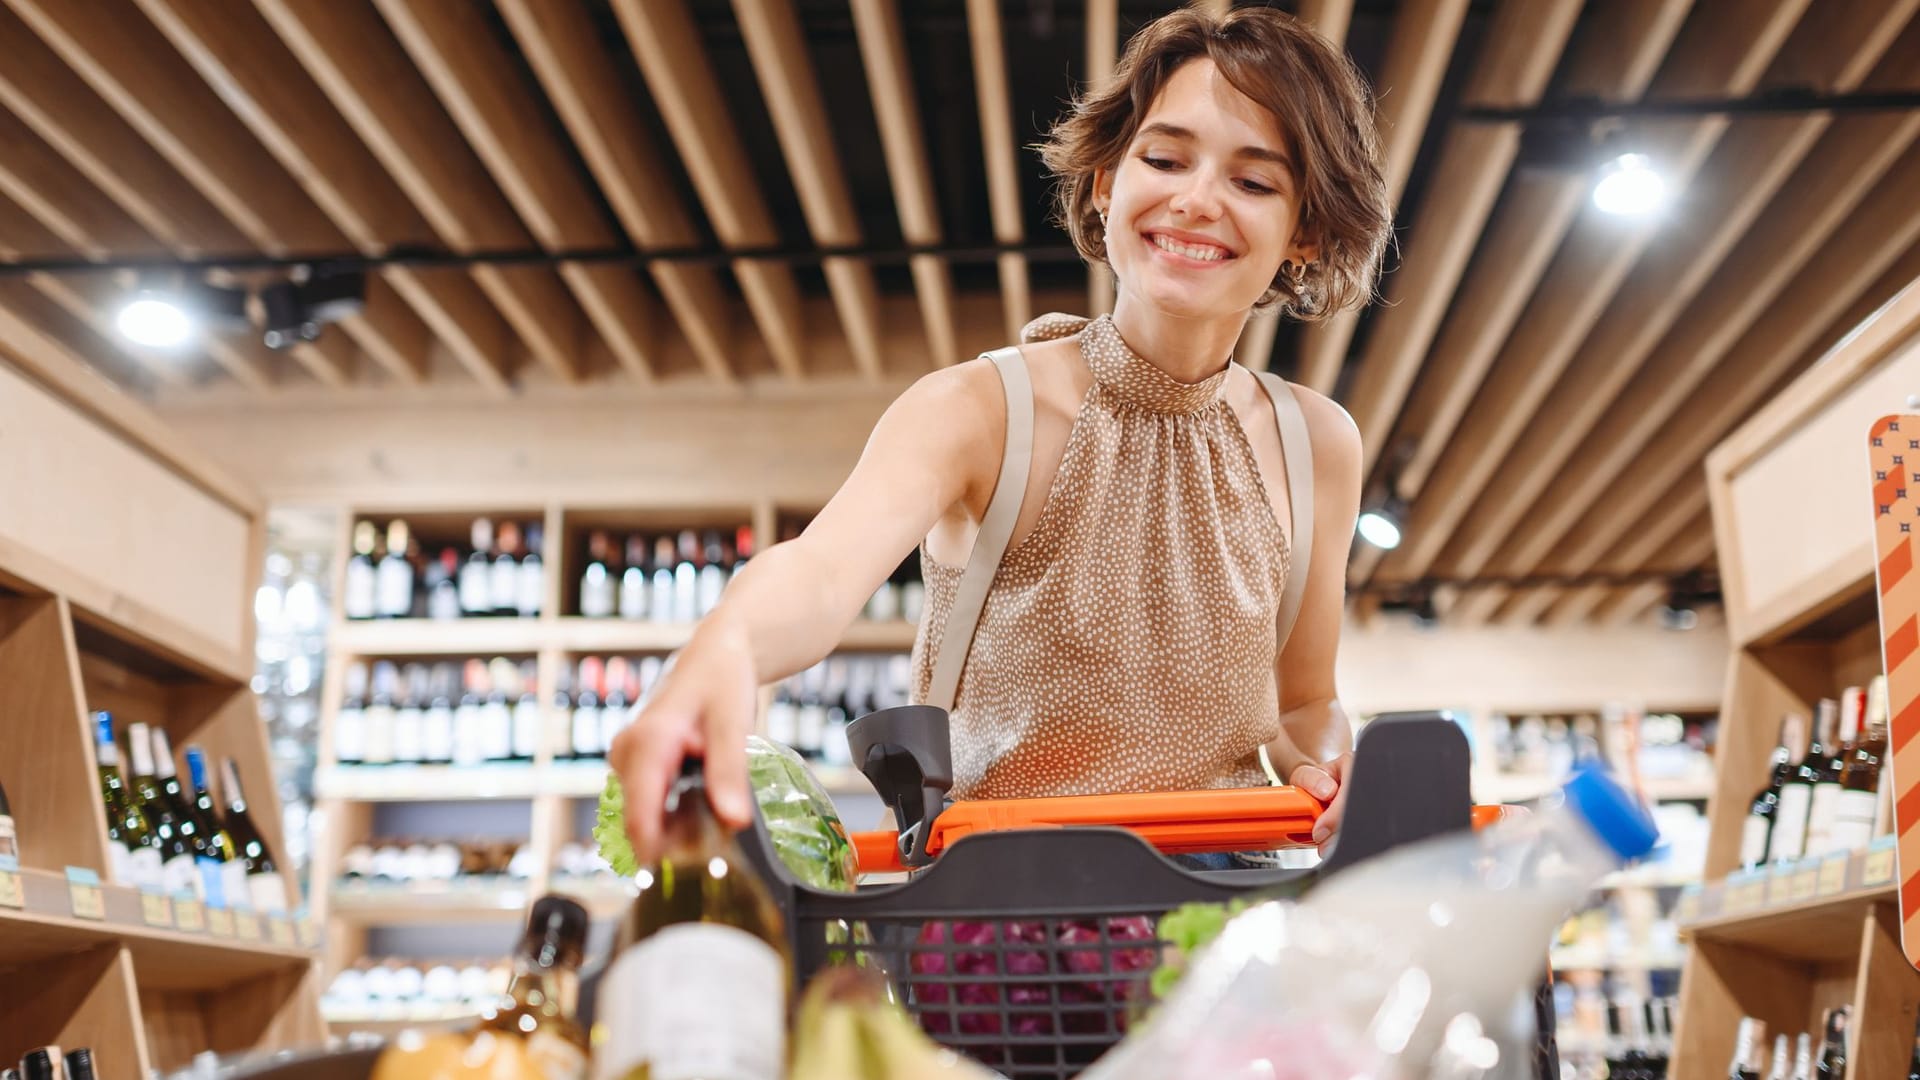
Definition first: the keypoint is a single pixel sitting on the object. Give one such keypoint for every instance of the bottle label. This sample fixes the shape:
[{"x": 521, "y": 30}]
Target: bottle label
[
  {"x": 1820, "y": 818},
  {"x": 526, "y": 730},
  {"x": 633, "y": 594},
  {"x": 349, "y": 737},
  {"x": 1753, "y": 841},
  {"x": 358, "y": 600},
  {"x": 213, "y": 881},
  {"x": 233, "y": 884},
  {"x": 586, "y": 732},
  {"x": 1853, "y": 814},
  {"x": 1790, "y": 823},
  {"x": 396, "y": 588},
  {"x": 9, "y": 838},
  {"x": 120, "y": 865},
  {"x": 497, "y": 737},
  {"x": 533, "y": 587},
  {"x": 269, "y": 893},
  {"x": 506, "y": 586},
  {"x": 181, "y": 874},
  {"x": 145, "y": 868},
  {"x": 409, "y": 737},
  {"x": 555, "y": 1058},
  {"x": 698, "y": 1001}
]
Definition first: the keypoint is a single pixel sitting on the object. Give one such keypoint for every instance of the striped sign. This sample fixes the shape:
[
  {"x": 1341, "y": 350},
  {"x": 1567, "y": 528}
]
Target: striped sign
[{"x": 1895, "y": 453}]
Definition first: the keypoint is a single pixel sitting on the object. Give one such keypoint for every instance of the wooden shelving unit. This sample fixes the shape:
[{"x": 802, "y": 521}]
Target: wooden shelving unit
[
  {"x": 1795, "y": 538},
  {"x": 133, "y": 594},
  {"x": 348, "y": 796}
]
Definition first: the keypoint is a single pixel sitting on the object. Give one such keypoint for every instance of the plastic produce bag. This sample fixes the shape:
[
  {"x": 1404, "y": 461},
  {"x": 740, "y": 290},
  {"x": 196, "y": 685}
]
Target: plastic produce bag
[{"x": 1413, "y": 965}]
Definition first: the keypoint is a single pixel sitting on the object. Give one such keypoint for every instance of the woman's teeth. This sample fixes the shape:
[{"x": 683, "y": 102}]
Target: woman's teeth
[{"x": 1202, "y": 252}]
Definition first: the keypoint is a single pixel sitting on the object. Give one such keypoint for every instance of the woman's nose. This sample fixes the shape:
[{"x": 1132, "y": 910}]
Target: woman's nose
[{"x": 1200, "y": 196}]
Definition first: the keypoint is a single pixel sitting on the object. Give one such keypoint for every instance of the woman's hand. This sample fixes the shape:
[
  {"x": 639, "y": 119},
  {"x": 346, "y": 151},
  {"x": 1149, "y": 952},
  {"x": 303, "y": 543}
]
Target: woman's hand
[
  {"x": 1327, "y": 782},
  {"x": 703, "y": 706}
]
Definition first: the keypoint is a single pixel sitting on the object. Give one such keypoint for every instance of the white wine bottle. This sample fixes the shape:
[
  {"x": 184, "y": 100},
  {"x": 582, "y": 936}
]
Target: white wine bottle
[{"x": 698, "y": 986}]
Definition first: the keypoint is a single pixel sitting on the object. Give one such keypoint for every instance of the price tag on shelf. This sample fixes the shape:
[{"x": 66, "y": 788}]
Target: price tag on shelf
[
  {"x": 280, "y": 932},
  {"x": 246, "y": 925},
  {"x": 1833, "y": 873},
  {"x": 11, "y": 893},
  {"x": 220, "y": 922},
  {"x": 1744, "y": 893},
  {"x": 1879, "y": 864},
  {"x": 1779, "y": 884},
  {"x": 308, "y": 930},
  {"x": 83, "y": 890},
  {"x": 156, "y": 909},
  {"x": 188, "y": 913},
  {"x": 1687, "y": 908},
  {"x": 1804, "y": 883}
]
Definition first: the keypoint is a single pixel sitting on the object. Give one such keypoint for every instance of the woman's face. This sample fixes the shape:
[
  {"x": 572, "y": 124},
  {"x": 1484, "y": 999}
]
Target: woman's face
[{"x": 1204, "y": 207}]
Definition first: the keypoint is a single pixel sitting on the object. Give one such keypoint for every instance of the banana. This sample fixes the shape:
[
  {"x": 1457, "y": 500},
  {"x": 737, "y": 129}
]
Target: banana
[
  {"x": 905, "y": 1052},
  {"x": 848, "y": 1029}
]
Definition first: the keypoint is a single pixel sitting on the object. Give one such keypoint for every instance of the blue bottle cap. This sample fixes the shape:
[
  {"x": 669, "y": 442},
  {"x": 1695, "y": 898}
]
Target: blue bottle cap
[
  {"x": 103, "y": 726},
  {"x": 1619, "y": 819},
  {"x": 197, "y": 768}
]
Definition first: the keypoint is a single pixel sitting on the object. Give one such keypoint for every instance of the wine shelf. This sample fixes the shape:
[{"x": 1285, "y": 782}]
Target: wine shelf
[
  {"x": 569, "y": 634},
  {"x": 416, "y": 783},
  {"x": 435, "y": 902},
  {"x": 1583, "y": 959},
  {"x": 1497, "y": 787},
  {"x": 391, "y": 1022}
]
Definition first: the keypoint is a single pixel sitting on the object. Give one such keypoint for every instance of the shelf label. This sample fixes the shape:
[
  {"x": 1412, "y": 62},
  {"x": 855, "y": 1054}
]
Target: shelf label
[
  {"x": 1804, "y": 885},
  {"x": 1879, "y": 864},
  {"x": 11, "y": 893},
  {"x": 1744, "y": 893},
  {"x": 188, "y": 914},
  {"x": 1779, "y": 884},
  {"x": 1833, "y": 873},
  {"x": 246, "y": 926},
  {"x": 156, "y": 909},
  {"x": 1687, "y": 908},
  {"x": 280, "y": 932},
  {"x": 309, "y": 931},
  {"x": 83, "y": 890},
  {"x": 220, "y": 922}
]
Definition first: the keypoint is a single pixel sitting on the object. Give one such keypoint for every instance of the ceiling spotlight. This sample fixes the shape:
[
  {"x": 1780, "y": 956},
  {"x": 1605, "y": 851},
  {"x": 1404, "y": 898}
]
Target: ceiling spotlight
[
  {"x": 296, "y": 310},
  {"x": 1686, "y": 595},
  {"x": 1380, "y": 526},
  {"x": 1629, "y": 186},
  {"x": 155, "y": 319}
]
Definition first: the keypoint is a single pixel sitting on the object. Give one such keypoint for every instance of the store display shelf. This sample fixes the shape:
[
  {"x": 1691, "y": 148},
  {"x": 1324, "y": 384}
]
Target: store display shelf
[
  {"x": 429, "y": 783},
  {"x": 1490, "y": 786},
  {"x": 440, "y": 637},
  {"x": 1651, "y": 876},
  {"x": 431, "y": 902},
  {"x": 228, "y": 948},
  {"x": 603, "y": 896},
  {"x": 393, "y": 1021},
  {"x": 1583, "y": 958},
  {"x": 1809, "y": 910}
]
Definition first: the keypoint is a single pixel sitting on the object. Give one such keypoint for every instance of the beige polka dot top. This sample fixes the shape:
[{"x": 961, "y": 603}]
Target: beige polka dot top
[{"x": 1127, "y": 643}]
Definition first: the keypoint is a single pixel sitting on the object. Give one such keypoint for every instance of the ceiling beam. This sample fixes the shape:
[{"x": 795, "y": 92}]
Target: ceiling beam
[
  {"x": 1682, "y": 513},
  {"x": 1466, "y": 437},
  {"x": 688, "y": 94},
  {"x": 1422, "y": 44},
  {"x": 1103, "y": 47},
  {"x": 883, "y": 53},
  {"x": 1522, "y": 50},
  {"x": 1751, "y": 165},
  {"x": 577, "y": 69},
  {"x": 1330, "y": 17},
  {"x": 369, "y": 78},
  {"x": 995, "y": 99},
  {"x": 777, "y": 44},
  {"x": 471, "y": 70}
]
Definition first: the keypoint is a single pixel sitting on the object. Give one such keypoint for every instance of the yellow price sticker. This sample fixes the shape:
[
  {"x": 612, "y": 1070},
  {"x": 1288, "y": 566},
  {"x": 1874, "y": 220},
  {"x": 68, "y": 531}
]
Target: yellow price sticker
[
  {"x": 309, "y": 932},
  {"x": 1745, "y": 895},
  {"x": 189, "y": 915},
  {"x": 11, "y": 893},
  {"x": 280, "y": 932},
  {"x": 1878, "y": 869},
  {"x": 1687, "y": 908},
  {"x": 246, "y": 926},
  {"x": 83, "y": 892},
  {"x": 1804, "y": 885},
  {"x": 1833, "y": 875},
  {"x": 156, "y": 909},
  {"x": 220, "y": 922}
]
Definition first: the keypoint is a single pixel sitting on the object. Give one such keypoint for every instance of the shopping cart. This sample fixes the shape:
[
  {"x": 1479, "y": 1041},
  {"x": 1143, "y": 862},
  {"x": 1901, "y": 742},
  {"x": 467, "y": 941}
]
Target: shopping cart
[{"x": 1029, "y": 948}]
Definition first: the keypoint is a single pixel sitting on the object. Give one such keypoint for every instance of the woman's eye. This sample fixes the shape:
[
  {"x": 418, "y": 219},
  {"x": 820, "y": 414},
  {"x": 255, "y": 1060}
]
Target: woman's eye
[
  {"x": 1256, "y": 187},
  {"x": 1163, "y": 164}
]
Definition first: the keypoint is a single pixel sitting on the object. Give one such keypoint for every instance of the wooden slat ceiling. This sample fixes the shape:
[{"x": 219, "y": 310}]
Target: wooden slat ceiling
[{"x": 1539, "y": 385}]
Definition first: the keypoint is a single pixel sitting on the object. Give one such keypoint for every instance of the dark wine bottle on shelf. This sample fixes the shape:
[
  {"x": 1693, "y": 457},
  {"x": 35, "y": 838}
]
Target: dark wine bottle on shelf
[
  {"x": 80, "y": 1064},
  {"x": 713, "y": 573},
  {"x": 131, "y": 846},
  {"x": 178, "y": 871},
  {"x": 586, "y": 709},
  {"x": 531, "y": 591},
  {"x": 409, "y": 719},
  {"x": 43, "y": 1063},
  {"x": 660, "y": 592},
  {"x": 497, "y": 735},
  {"x": 686, "y": 579},
  {"x": 350, "y": 723},
  {"x": 476, "y": 574},
  {"x": 633, "y": 580},
  {"x": 506, "y": 571},
  {"x": 540, "y": 1002},
  {"x": 1748, "y": 1044},
  {"x": 359, "y": 598},
  {"x": 1791, "y": 818},
  {"x": 469, "y": 717},
  {"x": 208, "y": 856},
  {"x": 395, "y": 575},
  {"x": 9, "y": 832},
  {"x": 1858, "y": 804},
  {"x": 443, "y": 590},
  {"x": 436, "y": 723},
  {"x": 1826, "y": 790},
  {"x": 1833, "y": 1051},
  {"x": 265, "y": 886},
  {"x": 380, "y": 713},
  {"x": 1757, "y": 829},
  {"x": 231, "y": 870},
  {"x": 596, "y": 581}
]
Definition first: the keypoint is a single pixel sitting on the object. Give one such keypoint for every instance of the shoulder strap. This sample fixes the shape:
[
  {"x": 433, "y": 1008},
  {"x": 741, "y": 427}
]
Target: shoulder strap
[
  {"x": 1296, "y": 448},
  {"x": 996, "y": 529}
]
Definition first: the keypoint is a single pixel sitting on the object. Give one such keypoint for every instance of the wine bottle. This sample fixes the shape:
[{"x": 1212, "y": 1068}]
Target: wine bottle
[
  {"x": 586, "y": 710},
  {"x": 178, "y": 871},
  {"x": 1790, "y": 821},
  {"x": 1757, "y": 829},
  {"x": 528, "y": 717},
  {"x": 1833, "y": 1052},
  {"x": 497, "y": 713},
  {"x": 231, "y": 887},
  {"x": 686, "y": 579},
  {"x": 207, "y": 855},
  {"x": 596, "y": 582},
  {"x": 1826, "y": 791},
  {"x": 395, "y": 580},
  {"x": 132, "y": 847},
  {"x": 1779, "y": 1068},
  {"x": 350, "y": 723},
  {"x": 742, "y": 550},
  {"x": 359, "y": 597},
  {"x": 476, "y": 574},
  {"x": 264, "y": 884},
  {"x": 531, "y": 591},
  {"x": 1803, "y": 1057},
  {"x": 409, "y": 720},
  {"x": 437, "y": 722},
  {"x": 697, "y": 986},
  {"x": 712, "y": 576},
  {"x": 443, "y": 590},
  {"x": 9, "y": 832},
  {"x": 381, "y": 713},
  {"x": 633, "y": 580},
  {"x": 660, "y": 592},
  {"x": 469, "y": 719},
  {"x": 1858, "y": 803},
  {"x": 540, "y": 1002},
  {"x": 505, "y": 572},
  {"x": 1747, "y": 1047},
  {"x": 80, "y": 1064},
  {"x": 613, "y": 704},
  {"x": 41, "y": 1064}
]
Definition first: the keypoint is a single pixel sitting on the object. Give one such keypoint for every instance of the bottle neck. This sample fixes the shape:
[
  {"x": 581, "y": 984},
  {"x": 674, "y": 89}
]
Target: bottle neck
[{"x": 555, "y": 980}]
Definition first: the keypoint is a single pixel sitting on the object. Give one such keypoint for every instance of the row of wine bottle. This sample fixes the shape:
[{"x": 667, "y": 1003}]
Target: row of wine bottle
[
  {"x": 1827, "y": 799},
  {"x": 1639, "y": 1037},
  {"x": 811, "y": 710},
  {"x": 48, "y": 1063},
  {"x": 478, "y": 712},
  {"x": 1792, "y": 1059},
  {"x": 406, "y": 861},
  {"x": 160, "y": 839},
  {"x": 389, "y": 577},
  {"x": 663, "y": 579}
]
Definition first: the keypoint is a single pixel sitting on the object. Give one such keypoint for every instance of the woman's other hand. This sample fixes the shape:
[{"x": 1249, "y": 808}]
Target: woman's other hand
[{"x": 1327, "y": 782}]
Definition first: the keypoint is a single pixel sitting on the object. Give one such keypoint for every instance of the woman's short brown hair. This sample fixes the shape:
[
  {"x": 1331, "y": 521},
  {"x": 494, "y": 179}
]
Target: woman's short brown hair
[{"x": 1322, "y": 103}]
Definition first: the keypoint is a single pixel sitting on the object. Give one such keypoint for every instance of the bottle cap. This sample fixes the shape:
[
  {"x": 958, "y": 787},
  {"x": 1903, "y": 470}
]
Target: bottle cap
[
  {"x": 39, "y": 1064},
  {"x": 1616, "y": 816},
  {"x": 80, "y": 1064}
]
